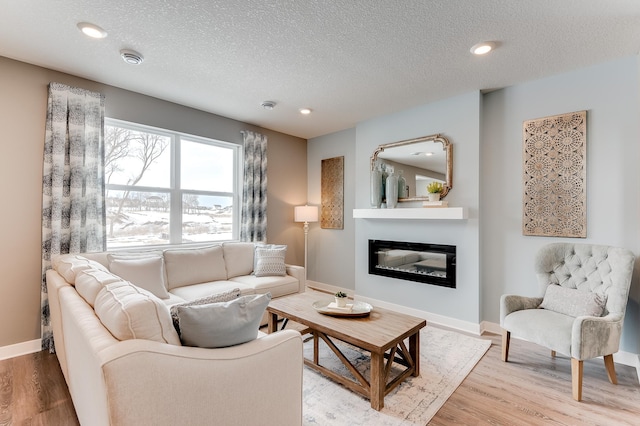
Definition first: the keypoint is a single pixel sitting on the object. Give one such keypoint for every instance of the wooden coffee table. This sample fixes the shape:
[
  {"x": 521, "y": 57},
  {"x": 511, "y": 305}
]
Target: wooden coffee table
[{"x": 382, "y": 334}]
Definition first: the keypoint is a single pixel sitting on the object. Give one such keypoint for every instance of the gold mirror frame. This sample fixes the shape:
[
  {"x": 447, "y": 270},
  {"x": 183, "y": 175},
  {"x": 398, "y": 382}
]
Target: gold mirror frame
[{"x": 446, "y": 146}]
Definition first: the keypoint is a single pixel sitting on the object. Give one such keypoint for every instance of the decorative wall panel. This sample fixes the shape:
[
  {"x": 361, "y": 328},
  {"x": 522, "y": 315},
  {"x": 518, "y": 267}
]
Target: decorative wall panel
[
  {"x": 332, "y": 193},
  {"x": 555, "y": 166}
]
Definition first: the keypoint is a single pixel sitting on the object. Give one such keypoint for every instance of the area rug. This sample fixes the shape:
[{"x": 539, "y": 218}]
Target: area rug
[{"x": 446, "y": 358}]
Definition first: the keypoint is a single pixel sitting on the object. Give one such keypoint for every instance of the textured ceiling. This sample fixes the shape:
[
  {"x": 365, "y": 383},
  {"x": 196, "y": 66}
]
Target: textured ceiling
[{"x": 348, "y": 60}]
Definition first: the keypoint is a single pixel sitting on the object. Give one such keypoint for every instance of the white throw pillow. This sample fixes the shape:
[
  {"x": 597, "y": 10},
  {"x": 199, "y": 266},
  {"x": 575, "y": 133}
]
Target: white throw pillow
[
  {"x": 270, "y": 262},
  {"x": 214, "y": 298},
  {"x": 130, "y": 312},
  {"x": 217, "y": 325},
  {"x": 194, "y": 266},
  {"x": 145, "y": 272},
  {"x": 573, "y": 302}
]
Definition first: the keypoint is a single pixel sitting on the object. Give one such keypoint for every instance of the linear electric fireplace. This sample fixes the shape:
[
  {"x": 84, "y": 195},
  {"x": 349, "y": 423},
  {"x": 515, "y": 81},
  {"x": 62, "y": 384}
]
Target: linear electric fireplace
[{"x": 426, "y": 263}]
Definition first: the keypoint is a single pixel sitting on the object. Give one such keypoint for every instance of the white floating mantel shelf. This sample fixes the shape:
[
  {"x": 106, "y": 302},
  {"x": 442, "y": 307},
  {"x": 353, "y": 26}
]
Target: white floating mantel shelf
[{"x": 446, "y": 213}]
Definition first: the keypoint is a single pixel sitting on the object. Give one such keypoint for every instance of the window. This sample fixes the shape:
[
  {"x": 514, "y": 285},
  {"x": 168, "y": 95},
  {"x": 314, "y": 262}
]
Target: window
[{"x": 166, "y": 187}]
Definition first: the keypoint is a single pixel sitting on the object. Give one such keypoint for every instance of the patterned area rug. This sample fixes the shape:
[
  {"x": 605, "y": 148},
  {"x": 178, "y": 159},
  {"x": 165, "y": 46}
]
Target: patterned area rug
[{"x": 446, "y": 358}]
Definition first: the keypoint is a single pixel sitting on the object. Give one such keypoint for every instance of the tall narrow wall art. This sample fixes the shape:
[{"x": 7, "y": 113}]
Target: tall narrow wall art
[
  {"x": 554, "y": 176},
  {"x": 332, "y": 193}
]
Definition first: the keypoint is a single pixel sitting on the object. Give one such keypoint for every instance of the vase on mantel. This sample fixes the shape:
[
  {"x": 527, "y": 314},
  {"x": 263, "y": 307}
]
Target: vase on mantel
[
  {"x": 376, "y": 188},
  {"x": 392, "y": 190},
  {"x": 433, "y": 196}
]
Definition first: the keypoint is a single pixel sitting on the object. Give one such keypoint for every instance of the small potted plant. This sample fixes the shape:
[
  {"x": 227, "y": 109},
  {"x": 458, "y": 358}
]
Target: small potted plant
[
  {"x": 341, "y": 299},
  {"x": 434, "y": 189}
]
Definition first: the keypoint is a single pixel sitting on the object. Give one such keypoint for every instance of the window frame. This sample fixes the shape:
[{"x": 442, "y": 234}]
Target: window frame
[{"x": 175, "y": 191}]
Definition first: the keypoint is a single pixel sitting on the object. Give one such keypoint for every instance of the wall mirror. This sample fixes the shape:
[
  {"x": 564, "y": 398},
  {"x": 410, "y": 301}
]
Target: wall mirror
[{"x": 422, "y": 160}]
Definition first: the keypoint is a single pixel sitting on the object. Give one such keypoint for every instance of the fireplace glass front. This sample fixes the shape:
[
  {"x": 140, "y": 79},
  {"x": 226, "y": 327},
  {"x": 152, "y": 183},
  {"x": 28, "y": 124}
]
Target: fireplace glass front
[{"x": 426, "y": 263}]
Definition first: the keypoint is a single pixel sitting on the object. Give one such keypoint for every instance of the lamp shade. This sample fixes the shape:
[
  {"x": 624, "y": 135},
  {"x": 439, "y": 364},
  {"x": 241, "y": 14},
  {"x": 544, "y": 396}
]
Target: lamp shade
[{"x": 305, "y": 214}]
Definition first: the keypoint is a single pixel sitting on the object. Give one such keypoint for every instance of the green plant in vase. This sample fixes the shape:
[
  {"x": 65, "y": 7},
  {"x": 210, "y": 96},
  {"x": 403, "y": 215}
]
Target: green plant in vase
[
  {"x": 341, "y": 299},
  {"x": 434, "y": 189}
]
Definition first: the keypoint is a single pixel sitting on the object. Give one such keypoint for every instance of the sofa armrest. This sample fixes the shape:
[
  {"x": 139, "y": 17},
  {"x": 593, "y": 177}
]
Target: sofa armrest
[
  {"x": 510, "y": 303},
  {"x": 596, "y": 336},
  {"x": 298, "y": 273},
  {"x": 259, "y": 382}
]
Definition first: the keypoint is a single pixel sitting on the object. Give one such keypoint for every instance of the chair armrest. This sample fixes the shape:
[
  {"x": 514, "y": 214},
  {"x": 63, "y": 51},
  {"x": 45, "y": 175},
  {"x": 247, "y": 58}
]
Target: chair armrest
[
  {"x": 259, "y": 382},
  {"x": 511, "y": 303},
  {"x": 596, "y": 336},
  {"x": 298, "y": 272}
]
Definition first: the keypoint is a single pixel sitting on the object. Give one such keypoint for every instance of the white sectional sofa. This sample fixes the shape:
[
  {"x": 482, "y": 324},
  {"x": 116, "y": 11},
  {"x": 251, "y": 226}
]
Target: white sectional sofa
[{"x": 146, "y": 376}]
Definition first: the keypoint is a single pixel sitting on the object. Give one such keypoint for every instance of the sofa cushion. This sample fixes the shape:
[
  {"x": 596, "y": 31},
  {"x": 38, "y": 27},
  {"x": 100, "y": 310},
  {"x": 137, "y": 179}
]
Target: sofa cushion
[
  {"x": 573, "y": 302},
  {"x": 214, "y": 298},
  {"x": 146, "y": 272},
  {"x": 194, "y": 266},
  {"x": 198, "y": 291},
  {"x": 130, "y": 312},
  {"x": 217, "y": 325},
  {"x": 270, "y": 262},
  {"x": 277, "y": 286},
  {"x": 68, "y": 265},
  {"x": 238, "y": 258},
  {"x": 90, "y": 281}
]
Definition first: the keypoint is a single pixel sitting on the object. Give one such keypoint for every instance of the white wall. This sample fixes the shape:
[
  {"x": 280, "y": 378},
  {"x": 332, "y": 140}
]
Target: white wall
[
  {"x": 331, "y": 252},
  {"x": 457, "y": 119},
  {"x": 609, "y": 92}
]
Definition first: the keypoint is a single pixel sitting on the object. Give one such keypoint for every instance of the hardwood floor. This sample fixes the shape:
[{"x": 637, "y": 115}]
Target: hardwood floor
[{"x": 531, "y": 389}]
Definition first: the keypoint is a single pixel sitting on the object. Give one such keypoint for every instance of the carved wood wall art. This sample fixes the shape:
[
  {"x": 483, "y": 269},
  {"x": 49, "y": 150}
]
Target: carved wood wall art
[
  {"x": 554, "y": 176},
  {"x": 332, "y": 193}
]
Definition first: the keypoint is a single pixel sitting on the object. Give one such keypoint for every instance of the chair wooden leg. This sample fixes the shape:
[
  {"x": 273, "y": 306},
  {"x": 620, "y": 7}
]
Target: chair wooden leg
[
  {"x": 611, "y": 369},
  {"x": 506, "y": 337},
  {"x": 576, "y": 378}
]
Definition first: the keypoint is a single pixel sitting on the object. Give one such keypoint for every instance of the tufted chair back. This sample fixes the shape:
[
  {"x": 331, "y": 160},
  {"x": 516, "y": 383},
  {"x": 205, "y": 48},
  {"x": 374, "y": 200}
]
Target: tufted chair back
[{"x": 587, "y": 267}]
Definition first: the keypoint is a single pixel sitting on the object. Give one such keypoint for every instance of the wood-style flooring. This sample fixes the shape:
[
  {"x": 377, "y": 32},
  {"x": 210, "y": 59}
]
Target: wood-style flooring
[{"x": 531, "y": 389}]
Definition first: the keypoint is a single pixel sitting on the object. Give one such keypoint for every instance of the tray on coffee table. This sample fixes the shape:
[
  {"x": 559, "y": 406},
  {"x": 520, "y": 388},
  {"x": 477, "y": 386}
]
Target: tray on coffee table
[{"x": 360, "y": 309}]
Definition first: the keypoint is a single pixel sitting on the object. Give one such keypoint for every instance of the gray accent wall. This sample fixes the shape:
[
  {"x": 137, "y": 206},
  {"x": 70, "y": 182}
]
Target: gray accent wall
[{"x": 486, "y": 131}]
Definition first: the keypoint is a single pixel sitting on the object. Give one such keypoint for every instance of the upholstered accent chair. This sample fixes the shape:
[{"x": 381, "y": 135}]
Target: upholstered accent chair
[{"x": 583, "y": 297}]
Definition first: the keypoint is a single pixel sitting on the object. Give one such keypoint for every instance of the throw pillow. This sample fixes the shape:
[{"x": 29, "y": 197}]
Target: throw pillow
[
  {"x": 194, "y": 266},
  {"x": 214, "y": 298},
  {"x": 145, "y": 272},
  {"x": 130, "y": 312},
  {"x": 270, "y": 262},
  {"x": 573, "y": 302},
  {"x": 217, "y": 325}
]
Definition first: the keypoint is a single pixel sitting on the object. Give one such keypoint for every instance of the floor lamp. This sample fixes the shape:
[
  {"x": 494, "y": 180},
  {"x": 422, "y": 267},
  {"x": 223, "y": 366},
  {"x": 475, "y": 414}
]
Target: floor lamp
[{"x": 306, "y": 214}]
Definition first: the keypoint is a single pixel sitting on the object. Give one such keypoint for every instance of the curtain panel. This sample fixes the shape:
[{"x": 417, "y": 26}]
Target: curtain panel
[
  {"x": 73, "y": 205},
  {"x": 253, "y": 223}
]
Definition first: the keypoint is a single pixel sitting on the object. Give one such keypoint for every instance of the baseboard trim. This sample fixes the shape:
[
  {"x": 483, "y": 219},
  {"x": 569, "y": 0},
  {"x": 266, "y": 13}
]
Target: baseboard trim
[{"x": 19, "y": 349}]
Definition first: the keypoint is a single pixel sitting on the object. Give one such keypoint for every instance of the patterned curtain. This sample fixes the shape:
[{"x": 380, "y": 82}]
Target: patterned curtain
[
  {"x": 73, "y": 207},
  {"x": 253, "y": 223}
]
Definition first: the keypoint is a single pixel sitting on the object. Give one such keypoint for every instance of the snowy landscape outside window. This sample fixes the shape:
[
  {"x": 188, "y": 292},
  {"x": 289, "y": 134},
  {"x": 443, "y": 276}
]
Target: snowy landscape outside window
[{"x": 166, "y": 187}]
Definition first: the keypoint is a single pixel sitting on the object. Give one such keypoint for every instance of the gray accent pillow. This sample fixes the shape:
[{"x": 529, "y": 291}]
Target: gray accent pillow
[
  {"x": 270, "y": 261},
  {"x": 214, "y": 298},
  {"x": 218, "y": 325},
  {"x": 573, "y": 302}
]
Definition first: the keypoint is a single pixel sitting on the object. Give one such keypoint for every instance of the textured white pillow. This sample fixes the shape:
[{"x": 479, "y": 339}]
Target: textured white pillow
[
  {"x": 145, "y": 272},
  {"x": 217, "y": 325},
  {"x": 215, "y": 298},
  {"x": 129, "y": 312},
  {"x": 90, "y": 281},
  {"x": 573, "y": 302},
  {"x": 270, "y": 262}
]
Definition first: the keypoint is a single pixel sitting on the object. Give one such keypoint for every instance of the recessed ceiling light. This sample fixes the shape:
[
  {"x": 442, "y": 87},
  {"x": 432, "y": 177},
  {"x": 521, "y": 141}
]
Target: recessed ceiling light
[
  {"x": 268, "y": 105},
  {"x": 91, "y": 30},
  {"x": 305, "y": 111},
  {"x": 483, "y": 48},
  {"x": 131, "y": 57}
]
